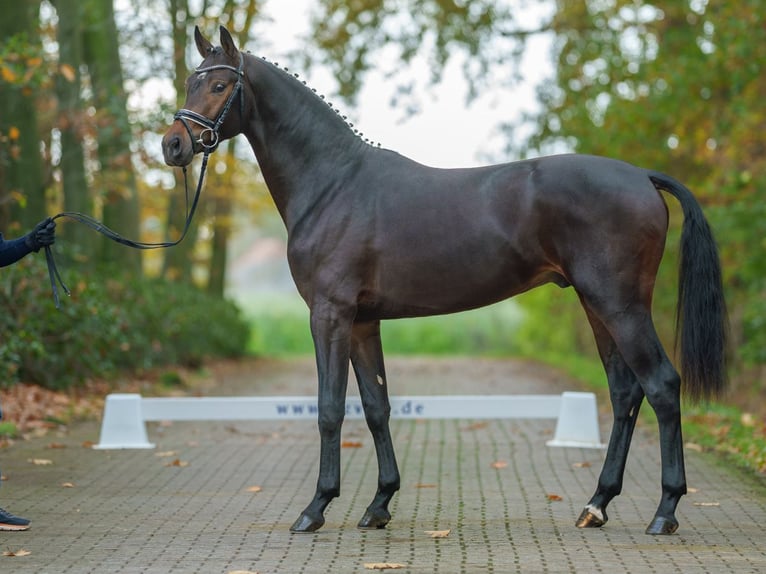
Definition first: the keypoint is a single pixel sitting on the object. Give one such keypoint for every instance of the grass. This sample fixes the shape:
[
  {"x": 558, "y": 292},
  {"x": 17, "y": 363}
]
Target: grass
[{"x": 280, "y": 327}]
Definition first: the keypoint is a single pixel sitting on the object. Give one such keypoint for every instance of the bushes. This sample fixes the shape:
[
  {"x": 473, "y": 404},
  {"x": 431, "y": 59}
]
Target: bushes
[{"x": 111, "y": 323}]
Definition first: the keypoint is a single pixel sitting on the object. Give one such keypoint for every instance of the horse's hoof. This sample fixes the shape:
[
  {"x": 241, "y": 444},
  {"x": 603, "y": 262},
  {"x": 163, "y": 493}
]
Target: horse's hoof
[
  {"x": 374, "y": 519},
  {"x": 307, "y": 524},
  {"x": 661, "y": 525},
  {"x": 591, "y": 517}
]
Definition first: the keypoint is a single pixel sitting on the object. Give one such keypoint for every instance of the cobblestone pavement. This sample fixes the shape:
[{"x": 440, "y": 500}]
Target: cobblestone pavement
[{"x": 508, "y": 501}]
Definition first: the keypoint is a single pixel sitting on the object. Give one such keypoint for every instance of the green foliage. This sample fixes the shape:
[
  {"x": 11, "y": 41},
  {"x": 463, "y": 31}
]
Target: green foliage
[
  {"x": 280, "y": 326},
  {"x": 728, "y": 431},
  {"x": 112, "y": 322}
]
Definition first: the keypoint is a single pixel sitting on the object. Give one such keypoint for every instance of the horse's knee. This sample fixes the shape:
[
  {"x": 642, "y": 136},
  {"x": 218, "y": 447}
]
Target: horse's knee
[{"x": 330, "y": 420}]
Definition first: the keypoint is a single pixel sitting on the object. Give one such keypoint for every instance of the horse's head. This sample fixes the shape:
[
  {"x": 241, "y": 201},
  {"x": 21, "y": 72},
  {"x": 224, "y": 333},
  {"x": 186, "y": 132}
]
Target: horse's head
[{"x": 214, "y": 102}]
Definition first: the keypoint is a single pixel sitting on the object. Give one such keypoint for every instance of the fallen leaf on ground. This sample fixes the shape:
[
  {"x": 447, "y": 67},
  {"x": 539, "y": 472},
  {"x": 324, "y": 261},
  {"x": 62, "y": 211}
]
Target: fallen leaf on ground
[
  {"x": 438, "y": 533},
  {"x": 253, "y": 489},
  {"x": 166, "y": 453},
  {"x": 57, "y": 445},
  {"x": 19, "y": 552},
  {"x": 474, "y": 426},
  {"x": 383, "y": 566},
  {"x": 88, "y": 444},
  {"x": 555, "y": 497},
  {"x": 178, "y": 462},
  {"x": 584, "y": 464},
  {"x": 694, "y": 446},
  {"x": 242, "y": 572},
  {"x": 691, "y": 490},
  {"x": 707, "y": 504},
  {"x": 499, "y": 464},
  {"x": 67, "y": 485},
  {"x": 350, "y": 444},
  {"x": 40, "y": 461},
  {"x": 425, "y": 485}
]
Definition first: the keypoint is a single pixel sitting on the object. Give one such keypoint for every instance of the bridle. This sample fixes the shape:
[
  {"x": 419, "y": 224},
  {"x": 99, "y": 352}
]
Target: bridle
[{"x": 212, "y": 126}]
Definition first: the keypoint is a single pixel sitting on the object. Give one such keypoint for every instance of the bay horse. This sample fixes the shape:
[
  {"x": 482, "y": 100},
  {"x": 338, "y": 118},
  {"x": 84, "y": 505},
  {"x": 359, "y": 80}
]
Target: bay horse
[{"x": 373, "y": 235}]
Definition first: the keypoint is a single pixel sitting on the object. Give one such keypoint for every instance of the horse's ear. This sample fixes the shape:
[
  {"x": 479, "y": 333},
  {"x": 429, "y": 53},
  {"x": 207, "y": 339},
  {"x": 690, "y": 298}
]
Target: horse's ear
[
  {"x": 203, "y": 44},
  {"x": 227, "y": 43}
]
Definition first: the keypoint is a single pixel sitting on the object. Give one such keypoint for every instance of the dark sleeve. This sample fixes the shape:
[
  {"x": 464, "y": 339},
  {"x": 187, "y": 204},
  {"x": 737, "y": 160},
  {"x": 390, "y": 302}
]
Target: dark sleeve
[{"x": 12, "y": 250}]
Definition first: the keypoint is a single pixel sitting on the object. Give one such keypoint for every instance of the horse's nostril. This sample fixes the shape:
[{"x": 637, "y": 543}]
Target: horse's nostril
[{"x": 175, "y": 144}]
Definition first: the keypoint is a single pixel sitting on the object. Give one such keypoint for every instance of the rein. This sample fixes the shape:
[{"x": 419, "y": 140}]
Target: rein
[{"x": 211, "y": 127}]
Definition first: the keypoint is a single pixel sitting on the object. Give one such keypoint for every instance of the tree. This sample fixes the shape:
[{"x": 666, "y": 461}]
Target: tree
[
  {"x": 72, "y": 124},
  {"x": 22, "y": 186},
  {"x": 115, "y": 182}
]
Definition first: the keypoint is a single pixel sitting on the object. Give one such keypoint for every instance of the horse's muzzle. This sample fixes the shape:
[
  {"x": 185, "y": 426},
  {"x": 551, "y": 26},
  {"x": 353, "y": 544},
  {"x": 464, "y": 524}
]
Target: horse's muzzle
[{"x": 177, "y": 147}]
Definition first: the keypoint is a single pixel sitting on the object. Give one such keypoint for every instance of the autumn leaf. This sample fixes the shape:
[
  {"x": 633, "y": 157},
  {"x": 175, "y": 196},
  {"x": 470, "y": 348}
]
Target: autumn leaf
[
  {"x": 88, "y": 444},
  {"x": 67, "y": 485},
  {"x": 242, "y": 572},
  {"x": 253, "y": 489},
  {"x": 691, "y": 490},
  {"x": 499, "y": 464},
  {"x": 554, "y": 497},
  {"x": 425, "y": 485},
  {"x": 438, "y": 533},
  {"x": 55, "y": 445},
  {"x": 13, "y": 133},
  {"x": 581, "y": 465},
  {"x": 166, "y": 453},
  {"x": 350, "y": 444},
  {"x": 474, "y": 426},
  {"x": 178, "y": 462},
  {"x": 707, "y": 504},
  {"x": 19, "y": 552},
  {"x": 383, "y": 566},
  {"x": 7, "y": 74},
  {"x": 694, "y": 446},
  {"x": 40, "y": 461},
  {"x": 68, "y": 72}
]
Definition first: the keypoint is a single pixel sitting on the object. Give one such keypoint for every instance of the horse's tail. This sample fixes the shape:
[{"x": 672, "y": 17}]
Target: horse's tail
[{"x": 701, "y": 318}]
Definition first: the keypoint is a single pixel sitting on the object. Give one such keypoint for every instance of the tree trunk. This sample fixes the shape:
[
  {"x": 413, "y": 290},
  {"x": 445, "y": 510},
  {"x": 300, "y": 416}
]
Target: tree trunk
[
  {"x": 72, "y": 125},
  {"x": 22, "y": 186},
  {"x": 178, "y": 259},
  {"x": 115, "y": 183}
]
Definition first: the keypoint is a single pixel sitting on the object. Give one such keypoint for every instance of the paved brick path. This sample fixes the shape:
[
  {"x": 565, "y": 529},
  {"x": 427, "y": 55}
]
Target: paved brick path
[{"x": 129, "y": 512}]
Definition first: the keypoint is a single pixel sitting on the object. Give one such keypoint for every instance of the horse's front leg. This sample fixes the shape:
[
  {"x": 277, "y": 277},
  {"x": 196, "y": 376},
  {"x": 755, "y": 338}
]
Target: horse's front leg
[
  {"x": 367, "y": 360},
  {"x": 331, "y": 330}
]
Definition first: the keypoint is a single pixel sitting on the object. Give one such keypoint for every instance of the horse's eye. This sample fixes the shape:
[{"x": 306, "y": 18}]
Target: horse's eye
[{"x": 218, "y": 88}]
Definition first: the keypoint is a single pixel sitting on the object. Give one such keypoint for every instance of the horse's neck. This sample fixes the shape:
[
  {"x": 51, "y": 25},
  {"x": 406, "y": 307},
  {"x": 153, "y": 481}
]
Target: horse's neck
[{"x": 303, "y": 146}]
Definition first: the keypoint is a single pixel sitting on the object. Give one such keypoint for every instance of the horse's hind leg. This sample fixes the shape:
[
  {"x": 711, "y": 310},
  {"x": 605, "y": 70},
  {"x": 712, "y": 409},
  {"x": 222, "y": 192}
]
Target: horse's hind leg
[
  {"x": 634, "y": 335},
  {"x": 367, "y": 360},
  {"x": 626, "y": 396}
]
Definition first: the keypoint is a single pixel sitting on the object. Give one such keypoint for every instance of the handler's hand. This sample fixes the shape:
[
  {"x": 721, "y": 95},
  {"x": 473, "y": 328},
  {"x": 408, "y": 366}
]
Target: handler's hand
[{"x": 42, "y": 235}]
